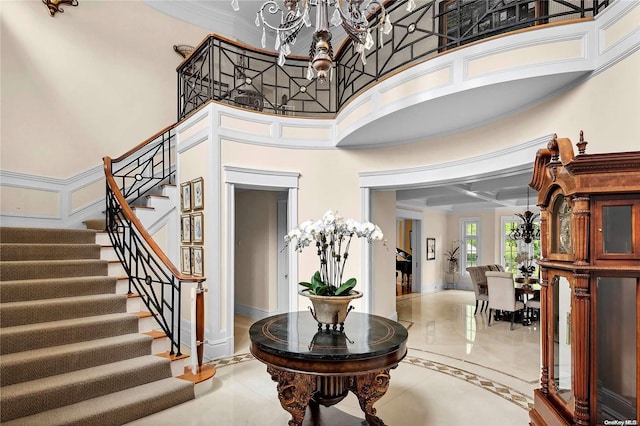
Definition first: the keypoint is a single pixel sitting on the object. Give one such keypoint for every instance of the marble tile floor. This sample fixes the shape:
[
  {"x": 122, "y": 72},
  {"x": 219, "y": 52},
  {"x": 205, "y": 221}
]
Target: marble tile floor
[{"x": 458, "y": 372}]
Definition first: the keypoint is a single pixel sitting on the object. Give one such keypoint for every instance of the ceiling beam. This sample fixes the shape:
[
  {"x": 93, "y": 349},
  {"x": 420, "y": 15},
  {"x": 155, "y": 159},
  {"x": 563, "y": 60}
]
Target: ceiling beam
[
  {"x": 515, "y": 181},
  {"x": 480, "y": 196},
  {"x": 412, "y": 194}
]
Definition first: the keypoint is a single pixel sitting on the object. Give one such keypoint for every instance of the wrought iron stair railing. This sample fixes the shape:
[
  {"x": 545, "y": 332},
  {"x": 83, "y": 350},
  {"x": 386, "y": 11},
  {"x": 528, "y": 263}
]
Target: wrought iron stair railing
[
  {"x": 150, "y": 272},
  {"x": 225, "y": 71}
]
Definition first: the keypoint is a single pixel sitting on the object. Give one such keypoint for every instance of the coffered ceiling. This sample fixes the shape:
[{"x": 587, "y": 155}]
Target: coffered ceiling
[{"x": 483, "y": 193}]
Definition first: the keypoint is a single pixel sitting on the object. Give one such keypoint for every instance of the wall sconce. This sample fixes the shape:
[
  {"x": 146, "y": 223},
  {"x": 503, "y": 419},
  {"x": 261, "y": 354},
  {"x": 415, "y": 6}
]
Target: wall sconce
[{"x": 54, "y": 5}]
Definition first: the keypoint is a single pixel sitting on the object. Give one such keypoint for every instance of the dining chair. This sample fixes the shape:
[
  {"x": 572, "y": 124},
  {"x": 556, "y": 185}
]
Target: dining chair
[
  {"x": 502, "y": 294},
  {"x": 532, "y": 304},
  {"x": 481, "y": 293}
]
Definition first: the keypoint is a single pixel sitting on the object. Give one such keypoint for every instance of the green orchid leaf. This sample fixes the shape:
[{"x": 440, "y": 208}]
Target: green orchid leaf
[
  {"x": 316, "y": 279},
  {"x": 322, "y": 290},
  {"x": 346, "y": 287}
]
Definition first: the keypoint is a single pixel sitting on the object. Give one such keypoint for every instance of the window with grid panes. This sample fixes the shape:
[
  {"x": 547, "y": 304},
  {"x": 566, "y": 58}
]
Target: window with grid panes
[
  {"x": 511, "y": 248},
  {"x": 469, "y": 244}
]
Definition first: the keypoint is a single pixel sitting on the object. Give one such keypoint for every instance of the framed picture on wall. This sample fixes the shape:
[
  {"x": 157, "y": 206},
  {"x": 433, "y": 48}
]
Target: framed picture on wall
[
  {"x": 431, "y": 248},
  {"x": 197, "y": 192},
  {"x": 185, "y": 228},
  {"x": 197, "y": 228},
  {"x": 185, "y": 260},
  {"x": 185, "y": 196},
  {"x": 197, "y": 260}
]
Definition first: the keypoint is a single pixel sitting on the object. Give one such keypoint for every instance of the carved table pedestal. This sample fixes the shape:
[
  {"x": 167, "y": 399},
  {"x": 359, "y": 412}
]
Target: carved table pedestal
[{"x": 318, "y": 366}]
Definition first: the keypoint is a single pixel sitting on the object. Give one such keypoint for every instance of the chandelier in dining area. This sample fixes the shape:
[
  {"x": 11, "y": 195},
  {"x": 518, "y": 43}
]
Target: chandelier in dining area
[
  {"x": 351, "y": 15},
  {"x": 528, "y": 230}
]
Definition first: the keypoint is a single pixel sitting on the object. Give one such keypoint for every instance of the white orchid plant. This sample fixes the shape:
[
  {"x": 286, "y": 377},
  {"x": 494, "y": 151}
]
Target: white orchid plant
[
  {"x": 526, "y": 263},
  {"x": 332, "y": 236}
]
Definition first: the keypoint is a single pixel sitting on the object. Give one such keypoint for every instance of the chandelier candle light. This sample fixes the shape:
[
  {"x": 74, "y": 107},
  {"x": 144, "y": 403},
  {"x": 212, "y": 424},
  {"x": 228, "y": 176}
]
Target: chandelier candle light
[
  {"x": 332, "y": 236},
  {"x": 351, "y": 15},
  {"x": 528, "y": 230}
]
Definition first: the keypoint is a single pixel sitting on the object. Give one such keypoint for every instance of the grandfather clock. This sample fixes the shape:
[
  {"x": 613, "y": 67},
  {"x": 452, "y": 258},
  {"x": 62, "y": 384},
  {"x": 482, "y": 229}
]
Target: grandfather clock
[{"x": 590, "y": 270}]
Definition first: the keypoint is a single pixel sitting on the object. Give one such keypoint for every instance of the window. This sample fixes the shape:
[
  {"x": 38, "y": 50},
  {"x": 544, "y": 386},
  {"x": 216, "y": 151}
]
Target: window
[
  {"x": 469, "y": 243},
  {"x": 511, "y": 248}
]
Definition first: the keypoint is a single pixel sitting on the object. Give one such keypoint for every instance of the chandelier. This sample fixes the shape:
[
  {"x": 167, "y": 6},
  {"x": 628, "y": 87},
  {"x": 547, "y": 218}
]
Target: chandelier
[
  {"x": 528, "y": 230},
  {"x": 351, "y": 15}
]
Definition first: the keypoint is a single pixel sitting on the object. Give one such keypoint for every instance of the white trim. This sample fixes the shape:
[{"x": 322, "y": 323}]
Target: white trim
[
  {"x": 262, "y": 179},
  {"x": 368, "y": 297},
  {"x": 251, "y": 312},
  {"x": 65, "y": 188},
  {"x": 265, "y": 180},
  {"x": 292, "y": 218},
  {"x": 518, "y": 156}
]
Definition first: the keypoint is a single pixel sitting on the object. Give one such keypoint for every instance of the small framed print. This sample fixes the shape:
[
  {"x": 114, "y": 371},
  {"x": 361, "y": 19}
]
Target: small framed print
[
  {"x": 185, "y": 260},
  {"x": 197, "y": 261},
  {"x": 197, "y": 193},
  {"x": 431, "y": 248},
  {"x": 185, "y": 228},
  {"x": 197, "y": 228},
  {"x": 185, "y": 196}
]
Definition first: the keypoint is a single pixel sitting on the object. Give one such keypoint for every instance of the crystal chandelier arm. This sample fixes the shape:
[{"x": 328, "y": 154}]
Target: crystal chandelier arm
[
  {"x": 289, "y": 21},
  {"x": 356, "y": 21}
]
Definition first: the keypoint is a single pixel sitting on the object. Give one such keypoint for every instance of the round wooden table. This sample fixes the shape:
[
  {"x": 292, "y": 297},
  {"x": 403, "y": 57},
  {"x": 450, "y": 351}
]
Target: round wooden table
[{"x": 321, "y": 366}]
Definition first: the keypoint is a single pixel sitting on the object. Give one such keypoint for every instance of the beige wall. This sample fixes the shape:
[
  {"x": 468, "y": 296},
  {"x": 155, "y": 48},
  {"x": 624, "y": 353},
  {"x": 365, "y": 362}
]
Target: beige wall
[
  {"x": 383, "y": 214},
  {"x": 256, "y": 250},
  {"x": 605, "y": 109},
  {"x": 92, "y": 82},
  {"x": 434, "y": 226}
]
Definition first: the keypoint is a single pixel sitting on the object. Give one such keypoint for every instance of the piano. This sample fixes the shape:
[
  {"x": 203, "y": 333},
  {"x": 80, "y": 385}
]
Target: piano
[{"x": 403, "y": 265}]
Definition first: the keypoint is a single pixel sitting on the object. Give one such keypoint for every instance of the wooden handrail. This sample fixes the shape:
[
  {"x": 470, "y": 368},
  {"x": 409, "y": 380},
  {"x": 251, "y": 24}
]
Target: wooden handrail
[
  {"x": 128, "y": 213},
  {"x": 140, "y": 145}
]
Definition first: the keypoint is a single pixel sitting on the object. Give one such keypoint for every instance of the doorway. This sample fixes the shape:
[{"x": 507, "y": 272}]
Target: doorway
[
  {"x": 408, "y": 254},
  {"x": 260, "y": 206}
]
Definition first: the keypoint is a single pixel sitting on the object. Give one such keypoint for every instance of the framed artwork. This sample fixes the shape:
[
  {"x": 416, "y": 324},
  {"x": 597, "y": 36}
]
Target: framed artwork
[
  {"x": 185, "y": 196},
  {"x": 185, "y": 228},
  {"x": 431, "y": 248},
  {"x": 197, "y": 261},
  {"x": 197, "y": 228},
  {"x": 185, "y": 260},
  {"x": 197, "y": 189}
]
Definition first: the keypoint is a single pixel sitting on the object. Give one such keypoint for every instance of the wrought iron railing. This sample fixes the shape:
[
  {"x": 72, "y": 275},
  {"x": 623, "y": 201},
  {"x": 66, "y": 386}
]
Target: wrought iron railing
[
  {"x": 150, "y": 273},
  {"x": 240, "y": 75},
  {"x": 224, "y": 71}
]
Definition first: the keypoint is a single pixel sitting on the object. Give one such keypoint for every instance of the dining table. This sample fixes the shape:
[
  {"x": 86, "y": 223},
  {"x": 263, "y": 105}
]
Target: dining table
[{"x": 525, "y": 290}]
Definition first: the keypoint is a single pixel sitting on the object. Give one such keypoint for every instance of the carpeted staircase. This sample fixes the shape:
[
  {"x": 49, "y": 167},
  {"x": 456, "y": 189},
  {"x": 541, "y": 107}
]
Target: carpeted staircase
[{"x": 70, "y": 354}]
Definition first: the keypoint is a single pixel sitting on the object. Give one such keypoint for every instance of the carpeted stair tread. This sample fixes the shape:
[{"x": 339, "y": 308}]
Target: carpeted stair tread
[
  {"x": 51, "y": 288},
  {"x": 39, "y": 311},
  {"x": 24, "y": 366},
  {"x": 99, "y": 224},
  {"x": 70, "y": 353},
  {"x": 28, "y": 270},
  {"x": 47, "y": 235},
  {"x": 31, "y": 397},
  {"x": 117, "y": 408},
  {"x": 35, "y": 336},
  {"x": 21, "y": 251}
]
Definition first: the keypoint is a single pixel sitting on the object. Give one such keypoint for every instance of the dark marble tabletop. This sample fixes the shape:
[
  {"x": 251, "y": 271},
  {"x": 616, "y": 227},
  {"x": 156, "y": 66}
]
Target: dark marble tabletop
[{"x": 296, "y": 335}]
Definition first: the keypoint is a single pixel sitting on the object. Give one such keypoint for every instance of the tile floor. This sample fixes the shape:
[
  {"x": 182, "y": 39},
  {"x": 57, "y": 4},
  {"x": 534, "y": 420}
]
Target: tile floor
[{"x": 457, "y": 372}]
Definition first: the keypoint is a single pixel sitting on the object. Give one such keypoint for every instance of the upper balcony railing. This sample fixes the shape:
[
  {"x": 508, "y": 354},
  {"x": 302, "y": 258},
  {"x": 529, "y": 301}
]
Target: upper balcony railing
[{"x": 240, "y": 75}]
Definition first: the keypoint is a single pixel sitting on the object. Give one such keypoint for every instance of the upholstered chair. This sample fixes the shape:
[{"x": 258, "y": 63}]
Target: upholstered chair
[
  {"x": 533, "y": 304},
  {"x": 477, "y": 279},
  {"x": 502, "y": 294}
]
